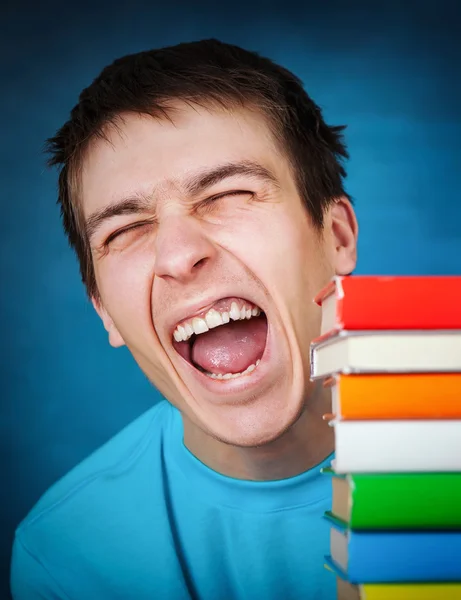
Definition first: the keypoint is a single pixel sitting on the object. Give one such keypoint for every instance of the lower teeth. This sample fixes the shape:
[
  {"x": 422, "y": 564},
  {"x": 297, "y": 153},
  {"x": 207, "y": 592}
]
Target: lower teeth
[{"x": 232, "y": 375}]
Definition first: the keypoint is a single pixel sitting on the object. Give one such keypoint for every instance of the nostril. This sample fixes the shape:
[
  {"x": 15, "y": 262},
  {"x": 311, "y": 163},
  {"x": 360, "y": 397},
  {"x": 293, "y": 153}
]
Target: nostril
[{"x": 200, "y": 262}]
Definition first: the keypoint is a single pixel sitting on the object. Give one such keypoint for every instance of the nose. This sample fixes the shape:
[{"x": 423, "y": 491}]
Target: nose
[{"x": 182, "y": 249}]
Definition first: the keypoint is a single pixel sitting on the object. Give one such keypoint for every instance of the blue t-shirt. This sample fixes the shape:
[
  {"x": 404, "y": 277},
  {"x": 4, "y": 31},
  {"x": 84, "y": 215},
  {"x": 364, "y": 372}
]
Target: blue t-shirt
[{"x": 142, "y": 518}]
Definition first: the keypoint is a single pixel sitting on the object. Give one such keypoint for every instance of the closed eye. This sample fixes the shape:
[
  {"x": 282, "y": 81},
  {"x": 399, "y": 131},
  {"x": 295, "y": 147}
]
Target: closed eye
[
  {"x": 117, "y": 234},
  {"x": 208, "y": 204}
]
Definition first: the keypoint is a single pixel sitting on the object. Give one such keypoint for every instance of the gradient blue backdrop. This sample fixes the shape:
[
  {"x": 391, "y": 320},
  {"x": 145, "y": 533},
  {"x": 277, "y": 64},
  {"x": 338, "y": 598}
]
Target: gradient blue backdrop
[{"x": 391, "y": 72}]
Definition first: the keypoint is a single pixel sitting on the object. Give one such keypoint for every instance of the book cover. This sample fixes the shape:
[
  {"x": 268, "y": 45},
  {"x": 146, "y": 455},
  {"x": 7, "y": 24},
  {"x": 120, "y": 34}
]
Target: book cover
[
  {"x": 390, "y": 501},
  {"x": 395, "y": 557},
  {"x": 396, "y": 396},
  {"x": 397, "y": 446},
  {"x": 391, "y": 302},
  {"x": 352, "y": 352},
  {"x": 398, "y": 591}
]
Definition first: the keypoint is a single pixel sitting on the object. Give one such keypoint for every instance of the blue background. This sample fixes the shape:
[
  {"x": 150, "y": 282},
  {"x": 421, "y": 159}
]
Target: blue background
[{"x": 391, "y": 72}]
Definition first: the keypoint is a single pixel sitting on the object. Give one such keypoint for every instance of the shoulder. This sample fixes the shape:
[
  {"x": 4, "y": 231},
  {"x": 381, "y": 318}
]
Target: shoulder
[
  {"x": 84, "y": 522},
  {"x": 103, "y": 468}
]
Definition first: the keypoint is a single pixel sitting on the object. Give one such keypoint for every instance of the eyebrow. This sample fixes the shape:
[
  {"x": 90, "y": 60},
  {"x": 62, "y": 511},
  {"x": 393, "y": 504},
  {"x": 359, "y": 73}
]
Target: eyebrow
[
  {"x": 196, "y": 183},
  {"x": 127, "y": 206},
  {"x": 205, "y": 179}
]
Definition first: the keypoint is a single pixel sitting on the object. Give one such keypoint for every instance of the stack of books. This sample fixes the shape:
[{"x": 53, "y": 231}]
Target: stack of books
[{"x": 390, "y": 349}]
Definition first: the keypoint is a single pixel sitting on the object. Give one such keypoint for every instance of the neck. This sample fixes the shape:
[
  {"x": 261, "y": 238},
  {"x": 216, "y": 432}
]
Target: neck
[{"x": 305, "y": 444}]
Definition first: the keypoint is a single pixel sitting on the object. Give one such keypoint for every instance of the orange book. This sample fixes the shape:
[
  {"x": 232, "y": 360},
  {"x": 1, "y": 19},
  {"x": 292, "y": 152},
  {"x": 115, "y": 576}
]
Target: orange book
[
  {"x": 366, "y": 302},
  {"x": 396, "y": 396}
]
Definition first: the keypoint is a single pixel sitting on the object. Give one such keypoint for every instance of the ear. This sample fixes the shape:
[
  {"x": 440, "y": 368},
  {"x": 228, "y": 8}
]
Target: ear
[
  {"x": 344, "y": 229},
  {"x": 115, "y": 339}
]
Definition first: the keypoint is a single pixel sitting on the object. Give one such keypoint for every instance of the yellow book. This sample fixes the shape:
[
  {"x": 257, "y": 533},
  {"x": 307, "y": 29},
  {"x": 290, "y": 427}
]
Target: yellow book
[{"x": 398, "y": 591}]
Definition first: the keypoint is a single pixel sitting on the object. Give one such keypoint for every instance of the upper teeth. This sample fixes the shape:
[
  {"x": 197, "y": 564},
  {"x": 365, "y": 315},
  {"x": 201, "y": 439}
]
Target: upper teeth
[{"x": 213, "y": 318}]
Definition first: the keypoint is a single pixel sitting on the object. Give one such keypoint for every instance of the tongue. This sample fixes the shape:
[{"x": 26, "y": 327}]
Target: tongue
[{"x": 231, "y": 348}]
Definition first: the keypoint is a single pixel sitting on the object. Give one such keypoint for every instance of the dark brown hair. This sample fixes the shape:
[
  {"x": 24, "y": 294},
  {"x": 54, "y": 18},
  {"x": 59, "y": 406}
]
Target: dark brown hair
[{"x": 205, "y": 72}]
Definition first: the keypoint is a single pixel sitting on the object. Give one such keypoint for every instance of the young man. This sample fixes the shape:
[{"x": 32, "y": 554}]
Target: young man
[{"x": 203, "y": 194}]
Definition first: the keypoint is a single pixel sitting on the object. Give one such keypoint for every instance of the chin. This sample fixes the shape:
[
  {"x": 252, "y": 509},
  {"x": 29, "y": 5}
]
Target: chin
[{"x": 258, "y": 422}]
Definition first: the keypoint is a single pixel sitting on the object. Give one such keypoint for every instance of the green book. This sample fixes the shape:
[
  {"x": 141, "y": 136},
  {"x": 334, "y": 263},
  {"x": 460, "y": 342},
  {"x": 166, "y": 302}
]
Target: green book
[{"x": 397, "y": 500}]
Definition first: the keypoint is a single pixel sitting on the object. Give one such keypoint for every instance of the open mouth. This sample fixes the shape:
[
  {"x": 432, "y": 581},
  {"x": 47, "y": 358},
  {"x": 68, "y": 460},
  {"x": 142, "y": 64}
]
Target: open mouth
[{"x": 226, "y": 342}]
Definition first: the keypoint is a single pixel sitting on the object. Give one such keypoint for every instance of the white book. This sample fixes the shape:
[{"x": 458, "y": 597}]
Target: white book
[
  {"x": 386, "y": 352},
  {"x": 397, "y": 446}
]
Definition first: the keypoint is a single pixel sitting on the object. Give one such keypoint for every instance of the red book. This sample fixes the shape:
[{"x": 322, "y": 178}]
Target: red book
[{"x": 366, "y": 302}]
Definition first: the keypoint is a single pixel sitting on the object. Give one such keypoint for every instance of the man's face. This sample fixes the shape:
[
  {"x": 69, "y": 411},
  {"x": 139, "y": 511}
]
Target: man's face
[{"x": 199, "y": 214}]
